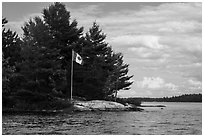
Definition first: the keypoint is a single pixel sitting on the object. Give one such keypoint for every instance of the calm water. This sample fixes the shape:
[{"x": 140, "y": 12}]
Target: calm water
[{"x": 175, "y": 119}]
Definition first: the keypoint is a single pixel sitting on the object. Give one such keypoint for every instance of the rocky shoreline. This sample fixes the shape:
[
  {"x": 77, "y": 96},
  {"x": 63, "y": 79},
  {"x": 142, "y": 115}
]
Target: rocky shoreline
[
  {"x": 82, "y": 106},
  {"x": 101, "y": 105}
]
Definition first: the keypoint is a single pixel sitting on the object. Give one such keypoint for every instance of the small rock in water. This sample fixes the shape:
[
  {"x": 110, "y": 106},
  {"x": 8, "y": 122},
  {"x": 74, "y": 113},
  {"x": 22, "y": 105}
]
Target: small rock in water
[{"x": 133, "y": 125}]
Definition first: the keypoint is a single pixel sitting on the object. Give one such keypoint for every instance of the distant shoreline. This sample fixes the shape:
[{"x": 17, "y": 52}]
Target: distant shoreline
[
  {"x": 197, "y": 98},
  {"x": 174, "y": 101}
]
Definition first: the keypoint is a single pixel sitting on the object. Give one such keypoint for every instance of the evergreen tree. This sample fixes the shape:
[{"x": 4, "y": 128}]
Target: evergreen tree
[
  {"x": 7, "y": 72},
  {"x": 96, "y": 53},
  {"x": 118, "y": 79},
  {"x": 64, "y": 32},
  {"x": 45, "y": 61},
  {"x": 104, "y": 71},
  {"x": 51, "y": 40},
  {"x": 66, "y": 35},
  {"x": 40, "y": 63},
  {"x": 11, "y": 47},
  {"x": 11, "y": 44}
]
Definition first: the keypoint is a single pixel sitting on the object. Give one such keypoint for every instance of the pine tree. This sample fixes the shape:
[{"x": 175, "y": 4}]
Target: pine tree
[
  {"x": 40, "y": 63},
  {"x": 64, "y": 31},
  {"x": 117, "y": 78},
  {"x": 7, "y": 72},
  {"x": 104, "y": 71},
  {"x": 66, "y": 35},
  {"x": 11, "y": 44},
  {"x": 11, "y": 47},
  {"x": 54, "y": 36},
  {"x": 95, "y": 52}
]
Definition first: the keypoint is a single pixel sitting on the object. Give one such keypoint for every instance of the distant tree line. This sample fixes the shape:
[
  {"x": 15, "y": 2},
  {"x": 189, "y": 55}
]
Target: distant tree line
[
  {"x": 181, "y": 98},
  {"x": 36, "y": 67}
]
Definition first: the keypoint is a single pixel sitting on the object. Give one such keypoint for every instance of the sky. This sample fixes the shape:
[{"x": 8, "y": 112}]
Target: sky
[{"x": 161, "y": 42}]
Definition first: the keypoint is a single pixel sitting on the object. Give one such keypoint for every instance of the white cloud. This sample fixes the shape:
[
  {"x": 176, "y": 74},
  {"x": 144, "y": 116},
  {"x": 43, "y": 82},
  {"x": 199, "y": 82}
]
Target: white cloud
[
  {"x": 180, "y": 26},
  {"x": 149, "y": 41},
  {"x": 147, "y": 54},
  {"x": 155, "y": 83},
  {"x": 171, "y": 86},
  {"x": 151, "y": 83},
  {"x": 165, "y": 39},
  {"x": 16, "y": 25},
  {"x": 195, "y": 83}
]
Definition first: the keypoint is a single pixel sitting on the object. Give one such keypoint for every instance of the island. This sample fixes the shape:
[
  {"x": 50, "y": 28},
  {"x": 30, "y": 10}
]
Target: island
[{"x": 55, "y": 59}]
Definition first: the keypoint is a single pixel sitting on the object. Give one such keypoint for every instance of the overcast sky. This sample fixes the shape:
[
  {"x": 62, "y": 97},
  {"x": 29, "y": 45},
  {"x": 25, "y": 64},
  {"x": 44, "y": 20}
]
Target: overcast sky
[{"x": 162, "y": 42}]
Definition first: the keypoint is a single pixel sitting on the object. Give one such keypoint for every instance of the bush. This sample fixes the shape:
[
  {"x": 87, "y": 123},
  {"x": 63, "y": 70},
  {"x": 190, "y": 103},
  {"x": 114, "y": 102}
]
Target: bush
[
  {"x": 26, "y": 100},
  {"x": 30, "y": 96},
  {"x": 8, "y": 101}
]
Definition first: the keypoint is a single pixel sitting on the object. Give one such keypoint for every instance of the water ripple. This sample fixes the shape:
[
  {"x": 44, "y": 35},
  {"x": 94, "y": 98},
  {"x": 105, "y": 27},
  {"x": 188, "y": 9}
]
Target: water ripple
[{"x": 173, "y": 120}]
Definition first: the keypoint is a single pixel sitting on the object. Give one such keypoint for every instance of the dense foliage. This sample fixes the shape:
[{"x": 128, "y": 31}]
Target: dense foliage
[
  {"x": 37, "y": 67},
  {"x": 181, "y": 98}
]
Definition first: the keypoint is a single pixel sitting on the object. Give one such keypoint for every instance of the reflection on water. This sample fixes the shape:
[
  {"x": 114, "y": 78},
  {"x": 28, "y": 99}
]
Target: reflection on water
[{"x": 176, "y": 119}]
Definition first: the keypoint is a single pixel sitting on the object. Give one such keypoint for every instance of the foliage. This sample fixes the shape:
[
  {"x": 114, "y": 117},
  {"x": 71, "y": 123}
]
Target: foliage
[
  {"x": 117, "y": 78},
  {"x": 40, "y": 61},
  {"x": 104, "y": 71},
  {"x": 7, "y": 72},
  {"x": 37, "y": 67},
  {"x": 95, "y": 69},
  {"x": 10, "y": 56},
  {"x": 129, "y": 101},
  {"x": 30, "y": 101},
  {"x": 11, "y": 44},
  {"x": 181, "y": 98},
  {"x": 51, "y": 40}
]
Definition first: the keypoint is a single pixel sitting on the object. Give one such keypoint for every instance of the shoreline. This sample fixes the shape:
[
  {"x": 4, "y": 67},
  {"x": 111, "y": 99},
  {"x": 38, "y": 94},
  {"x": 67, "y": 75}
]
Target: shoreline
[
  {"x": 80, "y": 106},
  {"x": 152, "y": 106},
  {"x": 77, "y": 107}
]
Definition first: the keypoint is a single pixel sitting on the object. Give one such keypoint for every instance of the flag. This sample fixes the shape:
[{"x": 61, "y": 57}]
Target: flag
[{"x": 77, "y": 58}]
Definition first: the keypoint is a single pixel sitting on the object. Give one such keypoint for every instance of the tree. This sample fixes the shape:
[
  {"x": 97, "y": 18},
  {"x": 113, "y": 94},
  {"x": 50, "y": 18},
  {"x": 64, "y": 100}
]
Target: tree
[
  {"x": 119, "y": 77},
  {"x": 95, "y": 53},
  {"x": 7, "y": 72},
  {"x": 51, "y": 40},
  {"x": 66, "y": 35},
  {"x": 104, "y": 71},
  {"x": 11, "y": 47},
  {"x": 45, "y": 61},
  {"x": 11, "y": 44}
]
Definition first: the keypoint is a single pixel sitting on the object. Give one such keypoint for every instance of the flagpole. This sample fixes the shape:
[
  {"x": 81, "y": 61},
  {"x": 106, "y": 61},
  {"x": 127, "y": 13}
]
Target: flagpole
[{"x": 72, "y": 75}]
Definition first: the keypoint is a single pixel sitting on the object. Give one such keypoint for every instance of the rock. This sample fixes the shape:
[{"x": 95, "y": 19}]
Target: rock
[
  {"x": 80, "y": 108},
  {"x": 101, "y": 105}
]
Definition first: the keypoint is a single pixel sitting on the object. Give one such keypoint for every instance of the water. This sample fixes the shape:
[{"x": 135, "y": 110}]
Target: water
[{"x": 175, "y": 119}]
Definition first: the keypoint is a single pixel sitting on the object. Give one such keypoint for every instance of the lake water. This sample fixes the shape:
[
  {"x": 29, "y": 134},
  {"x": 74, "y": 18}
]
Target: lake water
[{"x": 174, "y": 119}]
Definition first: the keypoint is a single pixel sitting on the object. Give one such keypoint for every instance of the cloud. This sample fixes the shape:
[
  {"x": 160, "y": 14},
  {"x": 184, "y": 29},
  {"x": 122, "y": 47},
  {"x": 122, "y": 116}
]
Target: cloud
[
  {"x": 171, "y": 86},
  {"x": 155, "y": 83},
  {"x": 194, "y": 83},
  {"x": 180, "y": 27},
  {"x": 147, "y": 54},
  {"x": 151, "y": 83},
  {"x": 149, "y": 41},
  {"x": 162, "y": 41},
  {"x": 16, "y": 25}
]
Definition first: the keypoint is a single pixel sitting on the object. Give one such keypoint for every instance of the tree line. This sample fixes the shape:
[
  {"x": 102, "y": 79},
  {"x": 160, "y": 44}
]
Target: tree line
[
  {"x": 37, "y": 66},
  {"x": 181, "y": 98}
]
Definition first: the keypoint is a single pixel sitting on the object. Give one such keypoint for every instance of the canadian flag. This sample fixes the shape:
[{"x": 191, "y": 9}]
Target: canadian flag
[{"x": 77, "y": 58}]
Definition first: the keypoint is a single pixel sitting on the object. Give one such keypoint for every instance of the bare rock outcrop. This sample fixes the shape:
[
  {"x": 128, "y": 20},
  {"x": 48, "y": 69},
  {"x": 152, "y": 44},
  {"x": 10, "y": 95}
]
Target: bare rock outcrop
[{"x": 102, "y": 105}]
